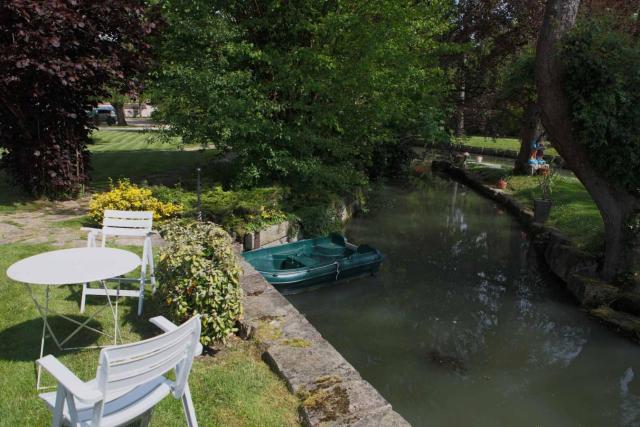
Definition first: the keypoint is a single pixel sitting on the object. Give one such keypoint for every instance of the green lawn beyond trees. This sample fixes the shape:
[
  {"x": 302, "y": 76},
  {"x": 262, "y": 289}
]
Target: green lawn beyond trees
[
  {"x": 500, "y": 143},
  {"x": 574, "y": 213}
]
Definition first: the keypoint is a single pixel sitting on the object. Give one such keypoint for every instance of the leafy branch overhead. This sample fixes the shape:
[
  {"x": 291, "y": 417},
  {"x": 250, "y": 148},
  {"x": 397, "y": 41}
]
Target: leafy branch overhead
[{"x": 308, "y": 92}]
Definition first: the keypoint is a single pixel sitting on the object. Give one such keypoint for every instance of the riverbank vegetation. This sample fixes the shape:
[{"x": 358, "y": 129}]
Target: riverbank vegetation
[{"x": 574, "y": 214}]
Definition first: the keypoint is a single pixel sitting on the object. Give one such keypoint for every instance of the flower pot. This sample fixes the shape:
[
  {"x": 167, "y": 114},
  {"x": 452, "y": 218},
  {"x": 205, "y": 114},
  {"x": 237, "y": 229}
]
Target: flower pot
[
  {"x": 502, "y": 184},
  {"x": 420, "y": 169},
  {"x": 541, "y": 210}
]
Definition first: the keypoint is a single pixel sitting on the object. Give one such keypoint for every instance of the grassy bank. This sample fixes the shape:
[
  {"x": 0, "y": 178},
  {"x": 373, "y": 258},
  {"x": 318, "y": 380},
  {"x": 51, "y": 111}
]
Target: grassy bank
[
  {"x": 574, "y": 213},
  {"x": 232, "y": 388}
]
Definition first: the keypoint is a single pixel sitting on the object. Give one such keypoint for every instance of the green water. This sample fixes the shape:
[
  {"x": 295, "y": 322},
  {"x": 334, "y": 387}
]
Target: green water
[{"x": 460, "y": 328}]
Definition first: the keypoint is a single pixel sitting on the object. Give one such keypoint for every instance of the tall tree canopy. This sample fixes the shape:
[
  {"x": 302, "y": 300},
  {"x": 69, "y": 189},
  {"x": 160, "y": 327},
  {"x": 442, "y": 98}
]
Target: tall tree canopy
[
  {"x": 308, "y": 92},
  {"x": 490, "y": 32},
  {"x": 57, "y": 57},
  {"x": 587, "y": 81}
]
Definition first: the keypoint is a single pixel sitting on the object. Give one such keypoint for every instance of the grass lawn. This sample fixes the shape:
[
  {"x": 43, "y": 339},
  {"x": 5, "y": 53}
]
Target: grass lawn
[
  {"x": 232, "y": 388},
  {"x": 132, "y": 154},
  {"x": 574, "y": 213},
  {"x": 500, "y": 143},
  {"x": 138, "y": 156}
]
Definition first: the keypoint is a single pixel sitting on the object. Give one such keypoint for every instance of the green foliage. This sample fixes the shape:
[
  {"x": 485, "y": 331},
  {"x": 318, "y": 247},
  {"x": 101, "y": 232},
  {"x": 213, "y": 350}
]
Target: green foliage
[
  {"x": 546, "y": 181},
  {"x": 198, "y": 273},
  {"x": 57, "y": 58},
  {"x": 125, "y": 196},
  {"x": 515, "y": 88},
  {"x": 303, "y": 92},
  {"x": 320, "y": 220},
  {"x": 601, "y": 80},
  {"x": 238, "y": 211}
]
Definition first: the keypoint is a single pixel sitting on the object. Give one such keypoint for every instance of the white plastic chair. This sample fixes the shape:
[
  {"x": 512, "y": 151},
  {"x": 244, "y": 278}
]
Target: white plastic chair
[
  {"x": 130, "y": 380},
  {"x": 129, "y": 224}
]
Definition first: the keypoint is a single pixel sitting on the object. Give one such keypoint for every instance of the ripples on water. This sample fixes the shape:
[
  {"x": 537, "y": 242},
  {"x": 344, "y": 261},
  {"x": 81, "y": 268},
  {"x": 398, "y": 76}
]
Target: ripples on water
[{"x": 460, "y": 327}]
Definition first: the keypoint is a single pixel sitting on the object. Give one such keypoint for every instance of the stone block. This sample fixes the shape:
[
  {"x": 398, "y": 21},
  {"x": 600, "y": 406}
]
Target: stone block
[
  {"x": 626, "y": 323},
  {"x": 590, "y": 291},
  {"x": 628, "y": 303},
  {"x": 332, "y": 401},
  {"x": 272, "y": 234},
  {"x": 565, "y": 260}
]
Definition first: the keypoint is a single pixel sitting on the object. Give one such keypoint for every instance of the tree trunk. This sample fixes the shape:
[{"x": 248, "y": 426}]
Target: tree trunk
[
  {"x": 530, "y": 131},
  {"x": 460, "y": 113},
  {"x": 617, "y": 206},
  {"x": 120, "y": 119},
  {"x": 462, "y": 95}
]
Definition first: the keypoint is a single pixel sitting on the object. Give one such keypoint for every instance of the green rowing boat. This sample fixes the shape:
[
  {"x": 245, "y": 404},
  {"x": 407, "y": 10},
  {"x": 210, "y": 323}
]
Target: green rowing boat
[{"x": 298, "y": 265}]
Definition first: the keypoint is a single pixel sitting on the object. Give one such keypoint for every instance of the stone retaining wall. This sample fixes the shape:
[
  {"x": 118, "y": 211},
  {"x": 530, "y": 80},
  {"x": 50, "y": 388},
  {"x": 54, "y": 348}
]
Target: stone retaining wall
[
  {"x": 276, "y": 234},
  {"x": 331, "y": 391},
  {"x": 615, "y": 306}
]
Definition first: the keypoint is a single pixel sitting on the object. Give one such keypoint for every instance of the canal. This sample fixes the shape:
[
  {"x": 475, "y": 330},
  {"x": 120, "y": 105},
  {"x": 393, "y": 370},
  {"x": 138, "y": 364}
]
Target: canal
[{"x": 460, "y": 327}]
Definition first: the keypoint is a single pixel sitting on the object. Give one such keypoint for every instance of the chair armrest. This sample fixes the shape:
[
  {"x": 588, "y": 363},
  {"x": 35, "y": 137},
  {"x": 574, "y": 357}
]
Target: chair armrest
[
  {"x": 167, "y": 326},
  {"x": 163, "y": 323},
  {"x": 69, "y": 380}
]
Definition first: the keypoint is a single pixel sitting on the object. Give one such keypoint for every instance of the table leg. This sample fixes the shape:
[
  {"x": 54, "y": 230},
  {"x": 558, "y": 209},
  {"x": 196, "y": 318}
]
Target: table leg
[
  {"x": 45, "y": 327},
  {"x": 113, "y": 311},
  {"x": 115, "y": 318},
  {"x": 44, "y": 315}
]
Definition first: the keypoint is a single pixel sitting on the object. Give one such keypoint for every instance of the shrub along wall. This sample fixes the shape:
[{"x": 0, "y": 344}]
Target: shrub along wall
[
  {"x": 199, "y": 275},
  {"x": 126, "y": 196}
]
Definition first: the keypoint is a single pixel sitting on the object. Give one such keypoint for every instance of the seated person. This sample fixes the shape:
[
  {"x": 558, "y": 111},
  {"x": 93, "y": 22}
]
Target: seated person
[{"x": 540, "y": 154}]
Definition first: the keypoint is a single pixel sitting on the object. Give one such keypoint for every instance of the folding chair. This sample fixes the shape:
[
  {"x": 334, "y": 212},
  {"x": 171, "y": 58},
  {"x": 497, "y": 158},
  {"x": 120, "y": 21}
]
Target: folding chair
[{"x": 124, "y": 224}]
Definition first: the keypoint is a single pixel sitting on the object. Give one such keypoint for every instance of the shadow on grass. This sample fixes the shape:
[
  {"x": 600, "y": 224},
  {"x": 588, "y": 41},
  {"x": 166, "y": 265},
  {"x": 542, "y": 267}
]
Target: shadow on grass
[
  {"x": 21, "y": 342},
  {"x": 12, "y": 197},
  {"x": 128, "y": 310},
  {"x": 141, "y": 324}
]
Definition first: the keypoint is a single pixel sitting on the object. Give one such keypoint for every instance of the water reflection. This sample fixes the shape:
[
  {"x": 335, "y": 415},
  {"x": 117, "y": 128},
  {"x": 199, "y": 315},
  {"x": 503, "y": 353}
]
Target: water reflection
[{"x": 461, "y": 328}]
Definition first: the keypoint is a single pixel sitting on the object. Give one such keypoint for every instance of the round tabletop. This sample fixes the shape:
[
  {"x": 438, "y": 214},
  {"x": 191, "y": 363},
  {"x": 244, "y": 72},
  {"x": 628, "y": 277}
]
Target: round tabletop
[{"x": 70, "y": 266}]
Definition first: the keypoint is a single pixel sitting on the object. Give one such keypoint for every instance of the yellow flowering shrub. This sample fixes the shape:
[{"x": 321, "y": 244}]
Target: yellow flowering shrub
[{"x": 126, "y": 196}]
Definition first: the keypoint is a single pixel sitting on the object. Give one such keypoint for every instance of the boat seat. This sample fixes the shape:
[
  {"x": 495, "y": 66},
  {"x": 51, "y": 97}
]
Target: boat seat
[
  {"x": 329, "y": 250},
  {"x": 363, "y": 249},
  {"x": 338, "y": 239}
]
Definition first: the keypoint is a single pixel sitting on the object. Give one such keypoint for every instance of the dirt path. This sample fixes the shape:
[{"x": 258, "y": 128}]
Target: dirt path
[{"x": 56, "y": 223}]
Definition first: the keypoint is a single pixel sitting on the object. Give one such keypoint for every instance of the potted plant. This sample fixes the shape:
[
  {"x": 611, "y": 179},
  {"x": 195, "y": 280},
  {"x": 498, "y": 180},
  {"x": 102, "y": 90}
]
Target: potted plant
[{"x": 542, "y": 205}]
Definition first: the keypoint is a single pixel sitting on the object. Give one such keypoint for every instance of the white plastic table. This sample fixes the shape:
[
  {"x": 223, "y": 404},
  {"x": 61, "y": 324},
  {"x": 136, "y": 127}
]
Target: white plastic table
[{"x": 67, "y": 267}]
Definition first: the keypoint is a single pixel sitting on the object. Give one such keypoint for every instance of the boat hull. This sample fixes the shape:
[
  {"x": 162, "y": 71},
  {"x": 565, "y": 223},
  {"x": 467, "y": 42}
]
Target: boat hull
[{"x": 307, "y": 263}]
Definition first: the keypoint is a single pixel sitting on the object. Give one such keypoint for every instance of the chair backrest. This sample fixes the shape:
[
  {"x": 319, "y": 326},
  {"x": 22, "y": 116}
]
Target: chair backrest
[
  {"x": 126, "y": 223},
  {"x": 124, "y": 367}
]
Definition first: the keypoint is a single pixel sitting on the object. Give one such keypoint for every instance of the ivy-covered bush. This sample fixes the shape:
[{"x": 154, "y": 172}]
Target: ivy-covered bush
[
  {"x": 198, "y": 274},
  {"x": 602, "y": 80},
  {"x": 126, "y": 196}
]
